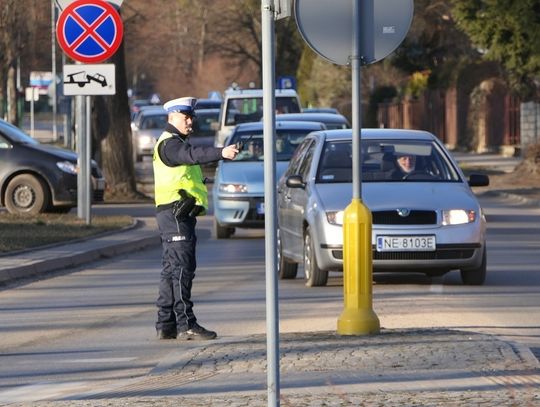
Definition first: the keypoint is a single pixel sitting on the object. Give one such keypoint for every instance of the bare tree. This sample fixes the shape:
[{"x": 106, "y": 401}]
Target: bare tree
[{"x": 14, "y": 32}]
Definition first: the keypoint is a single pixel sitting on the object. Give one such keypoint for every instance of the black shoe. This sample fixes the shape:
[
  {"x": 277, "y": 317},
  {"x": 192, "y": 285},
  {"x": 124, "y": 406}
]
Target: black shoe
[
  {"x": 196, "y": 333},
  {"x": 166, "y": 334}
]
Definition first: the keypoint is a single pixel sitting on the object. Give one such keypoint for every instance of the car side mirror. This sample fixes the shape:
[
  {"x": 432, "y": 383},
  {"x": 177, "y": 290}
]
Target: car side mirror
[
  {"x": 478, "y": 180},
  {"x": 295, "y": 181}
]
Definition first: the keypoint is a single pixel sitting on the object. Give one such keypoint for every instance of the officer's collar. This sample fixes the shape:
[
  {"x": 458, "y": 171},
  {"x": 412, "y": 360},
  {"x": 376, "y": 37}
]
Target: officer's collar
[{"x": 174, "y": 131}]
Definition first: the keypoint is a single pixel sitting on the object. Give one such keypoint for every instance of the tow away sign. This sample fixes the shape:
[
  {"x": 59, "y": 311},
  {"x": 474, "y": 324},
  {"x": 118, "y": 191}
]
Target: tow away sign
[{"x": 89, "y": 80}]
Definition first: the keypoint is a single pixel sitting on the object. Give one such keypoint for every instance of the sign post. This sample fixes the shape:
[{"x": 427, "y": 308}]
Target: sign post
[
  {"x": 358, "y": 32},
  {"x": 88, "y": 31}
]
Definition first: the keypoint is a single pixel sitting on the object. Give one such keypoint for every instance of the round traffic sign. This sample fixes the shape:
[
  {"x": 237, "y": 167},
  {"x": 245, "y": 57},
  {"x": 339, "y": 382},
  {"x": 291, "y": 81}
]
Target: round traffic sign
[
  {"x": 89, "y": 30},
  {"x": 328, "y": 27}
]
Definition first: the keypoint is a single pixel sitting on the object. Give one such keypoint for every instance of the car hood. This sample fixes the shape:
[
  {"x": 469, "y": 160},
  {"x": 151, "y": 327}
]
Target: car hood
[
  {"x": 61, "y": 153},
  {"x": 387, "y": 196},
  {"x": 247, "y": 172}
]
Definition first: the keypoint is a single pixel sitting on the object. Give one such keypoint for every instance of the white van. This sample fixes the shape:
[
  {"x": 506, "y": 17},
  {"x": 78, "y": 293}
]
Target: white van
[{"x": 246, "y": 105}]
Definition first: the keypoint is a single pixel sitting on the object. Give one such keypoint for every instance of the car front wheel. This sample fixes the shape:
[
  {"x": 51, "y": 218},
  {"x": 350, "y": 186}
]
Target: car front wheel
[
  {"x": 222, "y": 232},
  {"x": 315, "y": 276},
  {"x": 475, "y": 276},
  {"x": 28, "y": 195}
]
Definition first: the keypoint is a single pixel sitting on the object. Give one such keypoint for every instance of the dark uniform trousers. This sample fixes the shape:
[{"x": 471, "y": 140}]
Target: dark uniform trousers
[{"x": 175, "y": 308}]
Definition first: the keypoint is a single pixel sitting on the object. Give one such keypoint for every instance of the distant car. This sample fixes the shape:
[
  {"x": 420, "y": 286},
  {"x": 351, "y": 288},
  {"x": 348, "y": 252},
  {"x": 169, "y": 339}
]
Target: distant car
[
  {"x": 208, "y": 104},
  {"x": 36, "y": 178},
  {"x": 332, "y": 121},
  {"x": 427, "y": 220},
  {"x": 238, "y": 191},
  {"x": 136, "y": 105},
  {"x": 320, "y": 110},
  {"x": 146, "y": 130},
  {"x": 204, "y": 127},
  {"x": 135, "y": 117},
  {"x": 246, "y": 105}
]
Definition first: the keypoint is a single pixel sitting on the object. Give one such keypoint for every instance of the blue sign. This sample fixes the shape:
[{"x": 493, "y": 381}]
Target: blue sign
[
  {"x": 286, "y": 82},
  {"x": 89, "y": 30}
]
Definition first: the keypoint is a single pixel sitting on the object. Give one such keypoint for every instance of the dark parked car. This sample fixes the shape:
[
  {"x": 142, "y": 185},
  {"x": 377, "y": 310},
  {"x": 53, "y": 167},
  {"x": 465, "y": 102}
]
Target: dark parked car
[{"x": 37, "y": 177}]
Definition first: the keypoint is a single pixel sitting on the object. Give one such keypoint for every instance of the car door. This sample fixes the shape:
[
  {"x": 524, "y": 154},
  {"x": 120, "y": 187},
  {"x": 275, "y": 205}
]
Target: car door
[
  {"x": 298, "y": 198},
  {"x": 284, "y": 197}
]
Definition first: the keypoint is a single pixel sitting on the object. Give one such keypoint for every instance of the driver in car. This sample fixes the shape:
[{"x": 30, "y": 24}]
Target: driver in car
[{"x": 405, "y": 164}]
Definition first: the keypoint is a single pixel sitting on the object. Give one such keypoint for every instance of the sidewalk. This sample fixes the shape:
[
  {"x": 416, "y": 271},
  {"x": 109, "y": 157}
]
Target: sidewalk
[{"x": 394, "y": 368}]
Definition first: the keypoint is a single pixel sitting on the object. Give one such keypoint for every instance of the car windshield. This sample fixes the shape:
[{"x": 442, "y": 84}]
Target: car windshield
[
  {"x": 386, "y": 161},
  {"x": 153, "y": 122},
  {"x": 253, "y": 150},
  {"x": 250, "y": 109},
  {"x": 202, "y": 126}
]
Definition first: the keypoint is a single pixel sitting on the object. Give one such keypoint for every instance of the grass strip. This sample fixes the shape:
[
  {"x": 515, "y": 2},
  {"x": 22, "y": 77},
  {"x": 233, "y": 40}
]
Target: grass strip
[{"x": 25, "y": 232}]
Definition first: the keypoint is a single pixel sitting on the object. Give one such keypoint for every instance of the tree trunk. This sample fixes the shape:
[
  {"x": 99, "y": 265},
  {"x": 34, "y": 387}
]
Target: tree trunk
[
  {"x": 12, "y": 95},
  {"x": 116, "y": 148}
]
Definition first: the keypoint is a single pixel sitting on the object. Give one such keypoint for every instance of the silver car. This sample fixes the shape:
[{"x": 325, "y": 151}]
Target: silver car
[
  {"x": 238, "y": 191},
  {"x": 145, "y": 131},
  {"x": 425, "y": 217}
]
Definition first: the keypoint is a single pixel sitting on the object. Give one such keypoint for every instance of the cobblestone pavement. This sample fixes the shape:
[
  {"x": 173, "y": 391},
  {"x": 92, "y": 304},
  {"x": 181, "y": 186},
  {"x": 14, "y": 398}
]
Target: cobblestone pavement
[{"x": 394, "y": 368}]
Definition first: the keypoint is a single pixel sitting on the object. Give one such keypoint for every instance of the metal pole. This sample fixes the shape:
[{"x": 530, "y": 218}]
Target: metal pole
[
  {"x": 88, "y": 162},
  {"x": 270, "y": 217},
  {"x": 81, "y": 153},
  {"x": 356, "y": 103},
  {"x": 53, "y": 57},
  {"x": 32, "y": 132}
]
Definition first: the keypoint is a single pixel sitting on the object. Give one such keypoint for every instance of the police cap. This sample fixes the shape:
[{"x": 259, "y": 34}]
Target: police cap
[{"x": 184, "y": 105}]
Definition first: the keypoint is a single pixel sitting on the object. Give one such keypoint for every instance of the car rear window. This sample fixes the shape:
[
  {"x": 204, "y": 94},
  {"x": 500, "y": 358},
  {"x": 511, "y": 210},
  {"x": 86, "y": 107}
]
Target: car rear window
[
  {"x": 250, "y": 109},
  {"x": 286, "y": 143}
]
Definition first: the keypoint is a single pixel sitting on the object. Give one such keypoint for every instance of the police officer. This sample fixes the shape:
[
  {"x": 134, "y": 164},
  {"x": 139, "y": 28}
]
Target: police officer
[{"x": 180, "y": 196}]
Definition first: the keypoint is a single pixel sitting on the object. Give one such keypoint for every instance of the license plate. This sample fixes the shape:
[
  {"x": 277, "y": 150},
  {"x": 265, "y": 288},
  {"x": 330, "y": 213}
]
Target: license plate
[
  {"x": 260, "y": 208},
  {"x": 406, "y": 243}
]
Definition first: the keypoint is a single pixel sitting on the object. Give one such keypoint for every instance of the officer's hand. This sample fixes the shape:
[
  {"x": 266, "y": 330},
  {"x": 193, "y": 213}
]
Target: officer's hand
[{"x": 230, "y": 152}]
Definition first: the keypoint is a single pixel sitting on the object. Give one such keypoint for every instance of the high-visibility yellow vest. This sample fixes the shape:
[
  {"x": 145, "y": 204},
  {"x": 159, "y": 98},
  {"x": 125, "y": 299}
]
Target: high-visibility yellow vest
[{"x": 169, "y": 180}]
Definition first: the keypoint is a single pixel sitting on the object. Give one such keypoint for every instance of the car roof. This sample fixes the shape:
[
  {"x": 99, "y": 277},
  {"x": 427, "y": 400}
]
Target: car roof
[
  {"x": 311, "y": 116},
  {"x": 150, "y": 112},
  {"x": 320, "y": 110},
  {"x": 403, "y": 134},
  {"x": 208, "y": 101},
  {"x": 258, "y": 92},
  {"x": 207, "y": 111},
  {"x": 285, "y": 125}
]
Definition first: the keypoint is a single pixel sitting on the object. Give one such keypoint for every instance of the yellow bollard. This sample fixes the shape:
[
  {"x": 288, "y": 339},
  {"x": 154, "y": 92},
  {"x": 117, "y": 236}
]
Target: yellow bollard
[{"x": 358, "y": 317}]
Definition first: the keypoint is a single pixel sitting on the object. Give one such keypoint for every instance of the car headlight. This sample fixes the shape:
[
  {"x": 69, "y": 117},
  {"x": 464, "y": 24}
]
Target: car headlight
[
  {"x": 458, "y": 216},
  {"x": 66, "y": 166},
  {"x": 146, "y": 140},
  {"x": 335, "y": 217},
  {"x": 233, "y": 188}
]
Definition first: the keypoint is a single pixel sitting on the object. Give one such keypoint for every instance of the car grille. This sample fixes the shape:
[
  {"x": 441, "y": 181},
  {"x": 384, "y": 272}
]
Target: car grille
[
  {"x": 415, "y": 217},
  {"x": 439, "y": 254}
]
